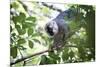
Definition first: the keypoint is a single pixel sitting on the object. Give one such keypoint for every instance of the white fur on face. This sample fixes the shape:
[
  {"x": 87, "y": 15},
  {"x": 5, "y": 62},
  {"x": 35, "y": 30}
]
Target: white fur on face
[{"x": 55, "y": 27}]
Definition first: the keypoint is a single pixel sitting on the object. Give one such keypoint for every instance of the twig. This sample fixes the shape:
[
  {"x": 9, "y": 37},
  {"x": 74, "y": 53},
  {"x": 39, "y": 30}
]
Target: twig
[
  {"x": 51, "y": 7},
  {"x": 22, "y": 57}
]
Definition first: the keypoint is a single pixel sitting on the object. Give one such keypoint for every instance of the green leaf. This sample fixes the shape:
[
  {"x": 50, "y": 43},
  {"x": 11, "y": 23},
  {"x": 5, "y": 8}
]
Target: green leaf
[
  {"x": 13, "y": 51},
  {"x": 22, "y": 47},
  {"x": 65, "y": 54},
  {"x": 33, "y": 19},
  {"x": 20, "y": 31},
  {"x": 30, "y": 31},
  {"x": 36, "y": 40},
  {"x": 28, "y": 25},
  {"x": 21, "y": 17},
  {"x": 18, "y": 28},
  {"x": 54, "y": 56},
  {"x": 24, "y": 26},
  {"x": 46, "y": 10},
  {"x": 35, "y": 35},
  {"x": 43, "y": 59},
  {"x": 13, "y": 34},
  {"x": 14, "y": 5},
  {"x": 31, "y": 44},
  {"x": 46, "y": 60},
  {"x": 15, "y": 20},
  {"x": 21, "y": 41},
  {"x": 71, "y": 54}
]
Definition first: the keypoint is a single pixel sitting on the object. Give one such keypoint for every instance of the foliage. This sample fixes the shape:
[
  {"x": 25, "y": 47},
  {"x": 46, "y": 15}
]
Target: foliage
[{"x": 28, "y": 37}]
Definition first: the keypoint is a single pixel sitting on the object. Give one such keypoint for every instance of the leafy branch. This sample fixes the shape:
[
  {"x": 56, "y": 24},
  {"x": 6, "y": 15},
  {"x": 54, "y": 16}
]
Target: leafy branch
[{"x": 48, "y": 50}]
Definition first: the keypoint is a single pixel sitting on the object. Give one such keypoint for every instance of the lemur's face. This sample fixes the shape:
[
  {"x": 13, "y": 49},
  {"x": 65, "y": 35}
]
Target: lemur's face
[{"x": 51, "y": 28}]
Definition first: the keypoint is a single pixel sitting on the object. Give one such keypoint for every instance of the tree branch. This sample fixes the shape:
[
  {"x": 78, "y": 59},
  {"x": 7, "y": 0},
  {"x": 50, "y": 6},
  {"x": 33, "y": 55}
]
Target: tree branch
[
  {"x": 24, "y": 58},
  {"x": 51, "y": 7},
  {"x": 21, "y": 59}
]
